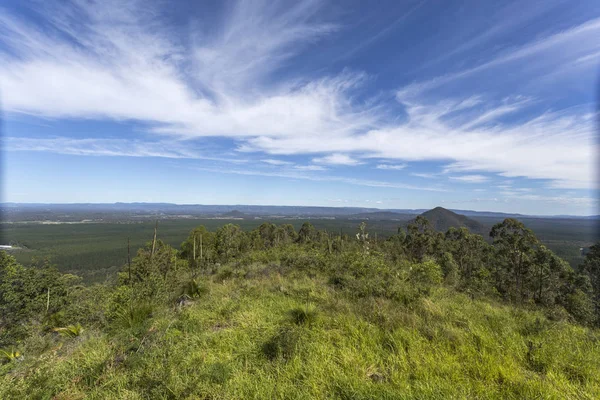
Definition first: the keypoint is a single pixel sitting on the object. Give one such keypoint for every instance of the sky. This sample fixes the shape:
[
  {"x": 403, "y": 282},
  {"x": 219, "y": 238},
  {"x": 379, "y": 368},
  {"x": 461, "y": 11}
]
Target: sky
[{"x": 478, "y": 105}]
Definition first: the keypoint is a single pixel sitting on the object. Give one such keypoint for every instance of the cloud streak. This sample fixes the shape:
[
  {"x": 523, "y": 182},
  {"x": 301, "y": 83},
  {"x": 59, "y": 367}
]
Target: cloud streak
[
  {"x": 336, "y": 159},
  {"x": 111, "y": 148},
  {"x": 323, "y": 178},
  {"x": 396, "y": 167},
  {"x": 88, "y": 61},
  {"x": 470, "y": 178}
]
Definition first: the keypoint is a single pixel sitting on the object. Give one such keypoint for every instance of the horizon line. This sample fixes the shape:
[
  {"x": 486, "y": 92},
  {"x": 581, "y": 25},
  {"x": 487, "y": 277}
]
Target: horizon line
[{"x": 305, "y": 206}]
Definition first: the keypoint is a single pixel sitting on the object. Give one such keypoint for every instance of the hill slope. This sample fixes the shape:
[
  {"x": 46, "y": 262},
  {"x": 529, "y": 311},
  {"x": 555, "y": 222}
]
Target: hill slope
[
  {"x": 289, "y": 336},
  {"x": 442, "y": 219},
  {"x": 234, "y": 214},
  {"x": 381, "y": 216}
]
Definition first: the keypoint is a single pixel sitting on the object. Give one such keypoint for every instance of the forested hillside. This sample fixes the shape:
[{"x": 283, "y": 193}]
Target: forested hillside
[
  {"x": 441, "y": 219},
  {"x": 279, "y": 313}
]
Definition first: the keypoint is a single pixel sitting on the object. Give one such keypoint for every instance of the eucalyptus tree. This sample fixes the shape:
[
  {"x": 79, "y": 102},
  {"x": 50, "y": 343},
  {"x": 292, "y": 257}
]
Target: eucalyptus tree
[
  {"x": 420, "y": 238},
  {"x": 591, "y": 267},
  {"x": 514, "y": 245}
]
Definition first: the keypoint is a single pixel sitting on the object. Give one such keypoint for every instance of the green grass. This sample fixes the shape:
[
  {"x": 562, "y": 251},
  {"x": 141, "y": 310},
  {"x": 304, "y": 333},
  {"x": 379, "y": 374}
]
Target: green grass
[{"x": 292, "y": 336}]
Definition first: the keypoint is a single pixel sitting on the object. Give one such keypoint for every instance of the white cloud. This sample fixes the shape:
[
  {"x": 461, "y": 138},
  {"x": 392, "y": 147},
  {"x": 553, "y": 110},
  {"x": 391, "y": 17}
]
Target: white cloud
[
  {"x": 424, "y": 175},
  {"x": 470, "y": 178},
  {"x": 321, "y": 178},
  {"x": 560, "y": 48},
  {"x": 276, "y": 162},
  {"x": 336, "y": 159},
  {"x": 391, "y": 166},
  {"x": 555, "y": 146},
  {"x": 310, "y": 167},
  {"x": 125, "y": 65},
  {"x": 110, "y": 147}
]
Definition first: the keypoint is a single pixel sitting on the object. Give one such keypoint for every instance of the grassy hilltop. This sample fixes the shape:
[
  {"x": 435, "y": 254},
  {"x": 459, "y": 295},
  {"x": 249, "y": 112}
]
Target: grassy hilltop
[{"x": 275, "y": 313}]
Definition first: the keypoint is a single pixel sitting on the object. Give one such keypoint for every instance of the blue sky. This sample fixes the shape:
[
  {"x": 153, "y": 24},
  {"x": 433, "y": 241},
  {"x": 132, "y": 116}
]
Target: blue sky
[{"x": 479, "y": 105}]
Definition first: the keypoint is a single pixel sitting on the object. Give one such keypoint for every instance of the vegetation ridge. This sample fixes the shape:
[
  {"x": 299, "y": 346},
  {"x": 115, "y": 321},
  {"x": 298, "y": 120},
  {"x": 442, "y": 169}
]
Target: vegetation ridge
[{"x": 275, "y": 313}]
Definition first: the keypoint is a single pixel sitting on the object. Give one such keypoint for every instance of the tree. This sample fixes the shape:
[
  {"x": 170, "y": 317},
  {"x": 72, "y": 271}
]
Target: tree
[
  {"x": 547, "y": 271},
  {"x": 26, "y": 294},
  {"x": 285, "y": 234},
  {"x": 591, "y": 267},
  {"x": 267, "y": 233},
  {"x": 229, "y": 242},
  {"x": 307, "y": 233},
  {"x": 575, "y": 294},
  {"x": 420, "y": 238},
  {"x": 470, "y": 252},
  {"x": 514, "y": 244},
  {"x": 153, "y": 275},
  {"x": 203, "y": 242}
]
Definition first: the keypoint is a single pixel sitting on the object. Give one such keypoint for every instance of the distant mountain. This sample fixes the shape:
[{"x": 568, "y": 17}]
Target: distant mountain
[
  {"x": 381, "y": 216},
  {"x": 442, "y": 219},
  {"x": 234, "y": 214},
  {"x": 158, "y": 209}
]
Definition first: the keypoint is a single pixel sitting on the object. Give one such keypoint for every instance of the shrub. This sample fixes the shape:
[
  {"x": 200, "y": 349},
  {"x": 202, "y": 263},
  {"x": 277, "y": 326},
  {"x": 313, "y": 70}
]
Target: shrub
[
  {"x": 224, "y": 273},
  {"x": 193, "y": 289},
  {"x": 426, "y": 273},
  {"x": 580, "y": 306}
]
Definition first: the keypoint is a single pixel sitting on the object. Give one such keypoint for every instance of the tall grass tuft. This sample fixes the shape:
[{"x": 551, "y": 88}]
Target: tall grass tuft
[
  {"x": 304, "y": 315},
  {"x": 134, "y": 316},
  {"x": 283, "y": 345},
  {"x": 9, "y": 355},
  {"x": 70, "y": 331}
]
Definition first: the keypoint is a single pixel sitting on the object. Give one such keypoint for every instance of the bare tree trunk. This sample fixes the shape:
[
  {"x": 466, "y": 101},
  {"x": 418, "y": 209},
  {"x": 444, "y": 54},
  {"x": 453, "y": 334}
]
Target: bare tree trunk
[
  {"x": 541, "y": 283},
  {"x": 168, "y": 267},
  {"x": 154, "y": 239},
  {"x": 129, "y": 261},
  {"x": 48, "y": 301},
  {"x": 194, "y": 262}
]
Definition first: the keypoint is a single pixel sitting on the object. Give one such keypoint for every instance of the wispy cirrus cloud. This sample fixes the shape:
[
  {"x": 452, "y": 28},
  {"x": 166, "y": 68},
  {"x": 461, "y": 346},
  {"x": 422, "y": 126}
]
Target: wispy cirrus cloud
[
  {"x": 337, "y": 159},
  {"x": 563, "y": 142},
  {"x": 560, "y": 47},
  {"x": 323, "y": 178},
  {"x": 310, "y": 167},
  {"x": 90, "y": 61},
  {"x": 396, "y": 167},
  {"x": 272, "y": 161},
  {"x": 424, "y": 175},
  {"x": 470, "y": 178},
  {"x": 96, "y": 147}
]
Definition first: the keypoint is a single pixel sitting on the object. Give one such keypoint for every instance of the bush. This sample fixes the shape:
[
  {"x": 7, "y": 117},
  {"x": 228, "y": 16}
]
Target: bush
[
  {"x": 426, "y": 273},
  {"x": 581, "y": 307}
]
